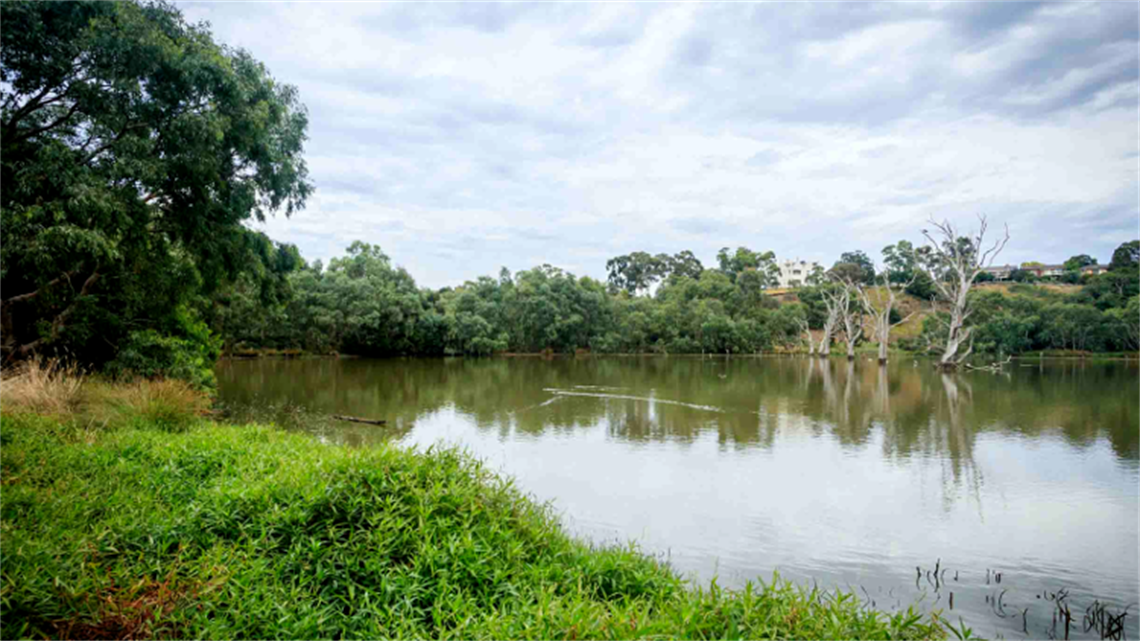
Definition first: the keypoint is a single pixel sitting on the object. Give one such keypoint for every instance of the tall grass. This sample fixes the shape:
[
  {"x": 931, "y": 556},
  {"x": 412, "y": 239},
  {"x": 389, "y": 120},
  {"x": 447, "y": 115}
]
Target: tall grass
[
  {"x": 226, "y": 532},
  {"x": 167, "y": 404},
  {"x": 43, "y": 386},
  {"x": 61, "y": 390}
]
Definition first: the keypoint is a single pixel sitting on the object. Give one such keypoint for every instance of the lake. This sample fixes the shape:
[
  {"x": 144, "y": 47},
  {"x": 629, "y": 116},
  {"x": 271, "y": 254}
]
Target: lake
[{"x": 844, "y": 474}]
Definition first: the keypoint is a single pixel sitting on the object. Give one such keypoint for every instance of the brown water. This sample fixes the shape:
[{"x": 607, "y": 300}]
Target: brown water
[{"x": 846, "y": 474}]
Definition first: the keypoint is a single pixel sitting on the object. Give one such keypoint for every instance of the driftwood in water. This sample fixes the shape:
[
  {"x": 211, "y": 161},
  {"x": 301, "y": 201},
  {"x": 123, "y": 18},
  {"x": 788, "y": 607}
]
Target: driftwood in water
[
  {"x": 354, "y": 419},
  {"x": 992, "y": 367}
]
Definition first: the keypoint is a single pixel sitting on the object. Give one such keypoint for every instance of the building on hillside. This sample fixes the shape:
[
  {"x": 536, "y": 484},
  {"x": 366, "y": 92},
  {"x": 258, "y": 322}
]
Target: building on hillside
[
  {"x": 794, "y": 273},
  {"x": 1043, "y": 271},
  {"x": 1003, "y": 272},
  {"x": 1000, "y": 272}
]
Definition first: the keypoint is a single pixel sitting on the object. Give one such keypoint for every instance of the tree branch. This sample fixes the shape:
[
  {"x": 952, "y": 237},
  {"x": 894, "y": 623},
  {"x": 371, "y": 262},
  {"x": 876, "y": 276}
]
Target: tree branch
[
  {"x": 55, "y": 281},
  {"x": 60, "y": 321},
  {"x": 48, "y": 127}
]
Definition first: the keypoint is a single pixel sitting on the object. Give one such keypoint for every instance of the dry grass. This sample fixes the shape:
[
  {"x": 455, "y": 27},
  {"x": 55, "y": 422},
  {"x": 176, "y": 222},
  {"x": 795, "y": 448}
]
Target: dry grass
[
  {"x": 53, "y": 388},
  {"x": 169, "y": 403},
  {"x": 42, "y": 386}
]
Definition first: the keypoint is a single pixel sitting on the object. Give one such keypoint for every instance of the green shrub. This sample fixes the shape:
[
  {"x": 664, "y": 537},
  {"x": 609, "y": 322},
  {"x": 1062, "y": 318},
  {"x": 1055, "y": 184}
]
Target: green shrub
[
  {"x": 922, "y": 287},
  {"x": 152, "y": 355}
]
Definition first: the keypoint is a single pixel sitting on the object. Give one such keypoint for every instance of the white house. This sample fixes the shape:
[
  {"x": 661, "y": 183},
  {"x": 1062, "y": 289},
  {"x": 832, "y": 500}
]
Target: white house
[{"x": 794, "y": 273}]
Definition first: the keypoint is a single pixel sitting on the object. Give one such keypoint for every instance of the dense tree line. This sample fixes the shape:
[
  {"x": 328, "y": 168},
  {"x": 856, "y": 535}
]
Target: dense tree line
[{"x": 363, "y": 304}]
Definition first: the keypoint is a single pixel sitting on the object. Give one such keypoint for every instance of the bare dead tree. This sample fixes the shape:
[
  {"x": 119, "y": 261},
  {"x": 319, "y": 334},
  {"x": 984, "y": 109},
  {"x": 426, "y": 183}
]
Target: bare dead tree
[
  {"x": 850, "y": 311},
  {"x": 953, "y": 264},
  {"x": 835, "y": 301},
  {"x": 879, "y": 309},
  {"x": 805, "y": 331},
  {"x": 852, "y": 320}
]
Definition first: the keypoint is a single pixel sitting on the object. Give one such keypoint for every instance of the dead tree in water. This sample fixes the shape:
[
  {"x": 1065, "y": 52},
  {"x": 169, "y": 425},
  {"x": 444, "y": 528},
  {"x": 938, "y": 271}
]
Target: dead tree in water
[
  {"x": 880, "y": 311},
  {"x": 953, "y": 264},
  {"x": 850, "y": 312},
  {"x": 805, "y": 330},
  {"x": 835, "y": 302},
  {"x": 852, "y": 320}
]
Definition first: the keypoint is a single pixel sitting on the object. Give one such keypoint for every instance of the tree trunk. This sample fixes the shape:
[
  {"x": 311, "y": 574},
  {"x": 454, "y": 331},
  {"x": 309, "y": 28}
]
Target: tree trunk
[{"x": 957, "y": 332}]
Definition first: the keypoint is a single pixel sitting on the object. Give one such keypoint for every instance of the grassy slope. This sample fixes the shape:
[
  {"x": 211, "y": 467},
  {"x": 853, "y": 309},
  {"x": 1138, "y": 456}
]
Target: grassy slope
[{"x": 221, "y": 532}]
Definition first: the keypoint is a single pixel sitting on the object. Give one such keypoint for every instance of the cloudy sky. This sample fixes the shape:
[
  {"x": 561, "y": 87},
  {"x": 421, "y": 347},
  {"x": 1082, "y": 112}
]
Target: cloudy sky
[{"x": 466, "y": 137}]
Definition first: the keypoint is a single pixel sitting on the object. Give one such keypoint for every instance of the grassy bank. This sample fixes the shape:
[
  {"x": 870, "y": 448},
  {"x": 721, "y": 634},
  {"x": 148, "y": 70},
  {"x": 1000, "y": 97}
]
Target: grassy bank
[{"x": 124, "y": 514}]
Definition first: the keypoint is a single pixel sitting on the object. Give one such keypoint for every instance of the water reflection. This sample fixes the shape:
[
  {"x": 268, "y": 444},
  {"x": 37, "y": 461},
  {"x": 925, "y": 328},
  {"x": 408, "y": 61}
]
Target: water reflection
[
  {"x": 846, "y": 473},
  {"x": 921, "y": 412}
]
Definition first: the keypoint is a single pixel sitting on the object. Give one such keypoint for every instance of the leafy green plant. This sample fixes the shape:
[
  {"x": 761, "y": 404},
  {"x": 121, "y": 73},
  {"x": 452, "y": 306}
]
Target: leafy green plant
[{"x": 152, "y": 355}]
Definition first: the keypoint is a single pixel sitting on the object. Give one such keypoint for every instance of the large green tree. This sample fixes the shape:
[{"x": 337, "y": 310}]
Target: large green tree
[
  {"x": 134, "y": 148},
  {"x": 636, "y": 272},
  {"x": 863, "y": 270},
  {"x": 1075, "y": 263},
  {"x": 732, "y": 264},
  {"x": 1127, "y": 256}
]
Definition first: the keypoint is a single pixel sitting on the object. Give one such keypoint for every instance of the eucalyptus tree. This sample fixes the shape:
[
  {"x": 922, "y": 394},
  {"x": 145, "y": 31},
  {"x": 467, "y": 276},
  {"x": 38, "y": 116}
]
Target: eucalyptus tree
[
  {"x": 851, "y": 313},
  {"x": 900, "y": 262},
  {"x": 878, "y": 303},
  {"x": 860, "y": 261},
  {"x": 835, "y": 300},
  {"x": 683, "y": 263},
  {"x": 1075, "y": 263},
  {"x": 134, "y": 148},
  {"x": 636, "y": 272},
  {"x": 732, "y": 264},
  {"x": 953, "y": 262},
  {"x": 1126, "y": 257}
]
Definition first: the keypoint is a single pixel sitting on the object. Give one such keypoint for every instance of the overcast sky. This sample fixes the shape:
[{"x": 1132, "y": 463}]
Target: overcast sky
[{"x": 466, "y": 137}]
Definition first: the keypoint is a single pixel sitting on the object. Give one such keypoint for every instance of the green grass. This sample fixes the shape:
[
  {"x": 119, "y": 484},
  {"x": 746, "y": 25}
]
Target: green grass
[{"x": 248, "y": 531}]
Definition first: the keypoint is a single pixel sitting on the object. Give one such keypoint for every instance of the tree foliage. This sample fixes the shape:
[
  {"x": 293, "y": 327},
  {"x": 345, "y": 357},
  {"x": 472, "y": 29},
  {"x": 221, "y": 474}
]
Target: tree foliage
[
  {"x": 134, "y": 148},
  {"x": 855, "y": 266},
  {"x": 1126, "y": 257}
]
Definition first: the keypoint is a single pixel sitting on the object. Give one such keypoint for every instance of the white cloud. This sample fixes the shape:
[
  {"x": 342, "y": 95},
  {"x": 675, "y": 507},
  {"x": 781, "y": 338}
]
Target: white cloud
[{"x": 465, "y": 137}]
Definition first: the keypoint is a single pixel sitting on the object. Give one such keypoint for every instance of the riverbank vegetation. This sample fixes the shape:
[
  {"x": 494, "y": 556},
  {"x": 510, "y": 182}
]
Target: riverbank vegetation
[
  {"x": 363, "y": 304},
  {"x": 126, "y": 515}
]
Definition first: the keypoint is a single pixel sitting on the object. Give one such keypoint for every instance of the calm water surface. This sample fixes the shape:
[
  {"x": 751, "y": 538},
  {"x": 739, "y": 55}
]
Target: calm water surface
[{"x": 846, "y": 474}]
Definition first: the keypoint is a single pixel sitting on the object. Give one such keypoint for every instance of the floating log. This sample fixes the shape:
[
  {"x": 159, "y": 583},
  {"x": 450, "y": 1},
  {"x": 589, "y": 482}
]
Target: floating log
[{"x": 354, "y": 419}]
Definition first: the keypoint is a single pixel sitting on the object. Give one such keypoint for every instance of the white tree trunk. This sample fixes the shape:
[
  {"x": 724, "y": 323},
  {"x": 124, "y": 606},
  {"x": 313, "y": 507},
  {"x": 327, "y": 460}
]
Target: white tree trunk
[
  {"x": 953, "y": 267},
  {"x": 810, "y": 341},
  {"x": 828, "y": 331}
]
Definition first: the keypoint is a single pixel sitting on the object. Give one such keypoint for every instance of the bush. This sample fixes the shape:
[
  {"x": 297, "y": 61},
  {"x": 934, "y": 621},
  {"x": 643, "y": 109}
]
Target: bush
[
  {"x": 152, "y": 355},
  {"x": 922, "y": 287}
]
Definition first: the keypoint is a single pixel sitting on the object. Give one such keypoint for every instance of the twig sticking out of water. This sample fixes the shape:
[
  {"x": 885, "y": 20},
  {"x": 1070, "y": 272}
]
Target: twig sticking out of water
[{"x": 1107, "y": 625}]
